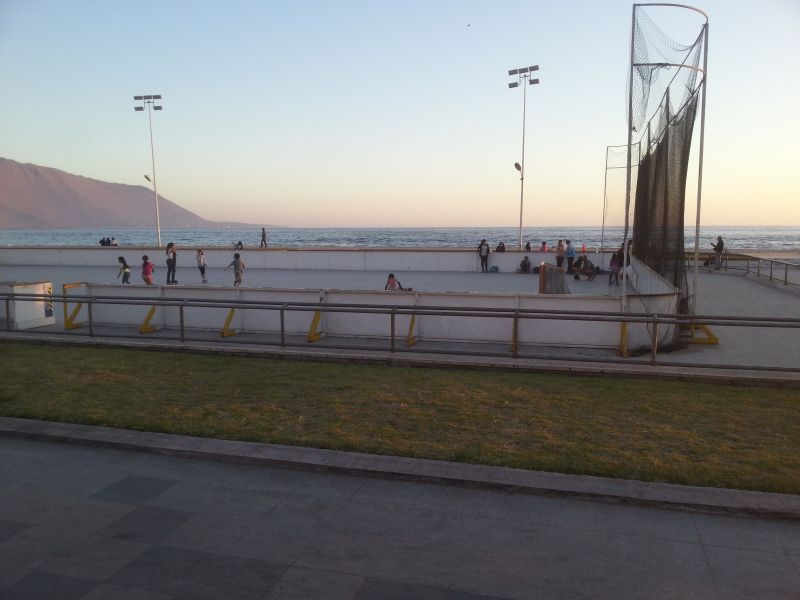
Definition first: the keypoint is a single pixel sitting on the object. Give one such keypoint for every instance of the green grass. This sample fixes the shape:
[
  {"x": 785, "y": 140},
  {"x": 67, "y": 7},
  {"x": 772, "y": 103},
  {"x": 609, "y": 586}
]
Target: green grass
[{"x": 654, "y": 430}]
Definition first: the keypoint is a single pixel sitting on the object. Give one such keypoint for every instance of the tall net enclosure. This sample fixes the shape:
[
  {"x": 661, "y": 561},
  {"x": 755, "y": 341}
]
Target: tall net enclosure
[
  {"x": 613, "y": 220},
  {"x": 665, "y": 88}
]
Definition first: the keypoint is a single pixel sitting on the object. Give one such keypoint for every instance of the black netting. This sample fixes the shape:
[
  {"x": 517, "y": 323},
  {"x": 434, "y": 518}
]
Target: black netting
[
  {"x": 660, "y": 198},
  {"x": 664, "y": 90}
]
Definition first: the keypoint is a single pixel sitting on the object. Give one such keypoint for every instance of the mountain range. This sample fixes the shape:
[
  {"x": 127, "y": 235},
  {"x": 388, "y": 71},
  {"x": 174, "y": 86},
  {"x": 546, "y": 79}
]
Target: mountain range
[{"x": 35, "y": 197}]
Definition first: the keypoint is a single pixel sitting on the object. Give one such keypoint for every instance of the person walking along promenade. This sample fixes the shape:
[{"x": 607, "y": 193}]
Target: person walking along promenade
[{"x": 483, "y": 252}]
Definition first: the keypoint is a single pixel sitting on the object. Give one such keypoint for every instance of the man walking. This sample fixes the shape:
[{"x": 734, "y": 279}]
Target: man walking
[
  {"x": 263, "y": 237},
  {"x": 719, "y": 247}
]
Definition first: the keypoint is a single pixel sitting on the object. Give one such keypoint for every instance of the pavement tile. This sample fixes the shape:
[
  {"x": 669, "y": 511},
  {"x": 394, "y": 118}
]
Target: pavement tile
[
  {"x": 309, "y": 584},
  {"x": 766, "y": 571},
  {"x": 388, "y": 491},
  {"x": 379, "y": 556},
  {"x": 246, "y": 535},
  {"x": 134, "y": 489},
  {"x": 39, "y": 585},
  {"x": 105, "y": 591},
  {"x": 204, "y": 496},
  {"x": 147, "y": 524},
  {"x": 36, "y": 506},
  {"x": 94, "y": 557},
  {"x": 15, "y": 565},
  {"x": 747, "y": 593},
  {"x": 450, "y": 498},
  {"x": 8, "y": 529},
  {"x": 381, "y": 589},
  {"x": 752, "y": 533},
  {"x": 185, "y": 573},
  {"x": 329, "y": 486},
  {"x": 302, "y": 513}
]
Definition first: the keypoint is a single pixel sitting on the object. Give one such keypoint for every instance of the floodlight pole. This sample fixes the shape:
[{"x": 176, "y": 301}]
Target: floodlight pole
[
  {"x": 693, "y": 307},
  {"x": 524, "y": 78},
  {"x": 148, "y": 100}
]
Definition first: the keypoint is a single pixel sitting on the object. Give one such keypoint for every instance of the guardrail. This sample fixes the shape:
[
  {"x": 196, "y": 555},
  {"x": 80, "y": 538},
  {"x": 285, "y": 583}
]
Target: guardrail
[
  {"x": 774, "y": 270},
  {"x": 652, "y": 320}
]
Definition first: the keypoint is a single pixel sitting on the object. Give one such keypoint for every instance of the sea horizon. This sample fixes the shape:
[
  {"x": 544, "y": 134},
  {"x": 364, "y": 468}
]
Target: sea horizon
[{"x": 741, "y": 237}]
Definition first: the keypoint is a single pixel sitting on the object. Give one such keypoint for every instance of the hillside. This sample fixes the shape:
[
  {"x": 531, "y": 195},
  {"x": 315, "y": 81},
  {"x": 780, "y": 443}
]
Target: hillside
[{"x": 34, "y": 197}]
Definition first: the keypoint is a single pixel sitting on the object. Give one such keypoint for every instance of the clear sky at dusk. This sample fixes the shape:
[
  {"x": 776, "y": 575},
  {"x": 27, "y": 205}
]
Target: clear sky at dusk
[{"x": 377, "y": 113}]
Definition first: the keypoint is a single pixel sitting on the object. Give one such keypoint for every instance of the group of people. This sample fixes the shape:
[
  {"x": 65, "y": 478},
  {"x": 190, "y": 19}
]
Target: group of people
[
  {"x": 148, "y": 268},
  {"x": 106, "y": 241},
  {"x": 563, "y": 251}
]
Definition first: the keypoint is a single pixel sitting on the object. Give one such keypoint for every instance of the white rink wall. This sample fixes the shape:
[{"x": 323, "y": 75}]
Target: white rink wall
[{"x": 427, "y": 327}]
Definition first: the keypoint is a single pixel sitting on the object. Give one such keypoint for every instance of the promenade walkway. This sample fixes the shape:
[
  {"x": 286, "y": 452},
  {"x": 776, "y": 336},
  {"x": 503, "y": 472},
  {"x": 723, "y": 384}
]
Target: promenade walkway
[{"x": 93, "y": 524}]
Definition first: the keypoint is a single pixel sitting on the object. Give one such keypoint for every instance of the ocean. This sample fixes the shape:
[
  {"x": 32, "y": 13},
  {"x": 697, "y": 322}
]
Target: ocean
[{"x": 736, "y": 238}]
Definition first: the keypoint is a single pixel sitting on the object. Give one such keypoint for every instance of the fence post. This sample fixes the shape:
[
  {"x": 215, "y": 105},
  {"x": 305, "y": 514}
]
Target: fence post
[
  {"x": 89, "y": 304},
  {"x": 180, "y": 310},
  {"x": 770, "y": 270},
  {"x": 786, "y": 274},
  {"x": 758, "y": 267},
  {"x": 8, "y": 313},
  {"x": 283, "y": 326},
  {"x": 748, "y": 266},
  {"x": 392, "y": 322},
  {"x": 515, "y": 335},
  {"x": 654, "y": 346}
]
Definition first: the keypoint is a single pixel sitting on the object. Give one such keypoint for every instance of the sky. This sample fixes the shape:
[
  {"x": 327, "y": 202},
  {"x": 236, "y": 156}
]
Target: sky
[{"x": 314, "y": 113}]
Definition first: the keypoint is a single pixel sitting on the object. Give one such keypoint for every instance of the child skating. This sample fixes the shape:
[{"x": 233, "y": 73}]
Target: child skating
[{"x": 238, "y": 268}]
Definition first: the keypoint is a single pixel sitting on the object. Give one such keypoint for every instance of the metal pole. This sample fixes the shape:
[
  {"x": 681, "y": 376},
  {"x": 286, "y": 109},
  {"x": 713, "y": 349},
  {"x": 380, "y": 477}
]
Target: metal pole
[
  {"x": 605, "y": 210},
  {"x": 183, "y": 333},
  {"x": 283, "y": 325},
  {"x": 624, "y": 301},
  {"x": 153, "y": 158},
  {"x": 391, "y": 319},
  {"x": 522, "y": 170},
  {"x": 700, "y": 172}
]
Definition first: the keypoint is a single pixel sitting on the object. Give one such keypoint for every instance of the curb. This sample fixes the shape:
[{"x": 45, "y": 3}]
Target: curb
[{"x": 663, "y": 495}]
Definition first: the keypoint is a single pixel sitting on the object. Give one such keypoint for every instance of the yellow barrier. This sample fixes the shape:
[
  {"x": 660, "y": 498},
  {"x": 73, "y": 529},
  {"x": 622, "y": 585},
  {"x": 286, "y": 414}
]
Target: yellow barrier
[
  {"x": 623, "y": 339},
  {"x": 226, "y": 330},
  {"x": 69, "y": 318},
  {"x": 709, "y": 339},
  {"x": 313, "y": 334},
  {"x": 411, "y": 339},
  {"x": 145, "y": 327}
]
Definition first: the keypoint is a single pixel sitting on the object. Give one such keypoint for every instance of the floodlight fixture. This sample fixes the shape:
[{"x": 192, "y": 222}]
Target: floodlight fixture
[
  {"x": 156, "y": 96},
  {"x": 511, "y": 72},
  {"x": 148, "y": 178},
  {"x": 513, "y": 85},
  {"x": 138, "y": 108},
  {"x": 517, "y": 166},
  {"x": 159, "y": 108},
  {"x": 137, "y": 97},
  {"x": 533, "y": 68},
  {"x": 531, "y": 81}
]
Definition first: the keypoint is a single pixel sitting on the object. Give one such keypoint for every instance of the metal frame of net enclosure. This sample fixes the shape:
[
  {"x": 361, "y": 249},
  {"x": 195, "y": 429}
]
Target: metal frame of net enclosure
[{"x": 665, "y": 85}]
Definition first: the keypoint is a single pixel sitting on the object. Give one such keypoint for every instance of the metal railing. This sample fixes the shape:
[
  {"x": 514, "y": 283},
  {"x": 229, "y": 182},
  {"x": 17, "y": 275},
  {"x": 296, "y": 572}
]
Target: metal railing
[{"x": 653, "y": 321}]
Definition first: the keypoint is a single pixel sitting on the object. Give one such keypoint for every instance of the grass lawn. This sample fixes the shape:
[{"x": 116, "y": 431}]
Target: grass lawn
[{"x": 653, "y": 430}]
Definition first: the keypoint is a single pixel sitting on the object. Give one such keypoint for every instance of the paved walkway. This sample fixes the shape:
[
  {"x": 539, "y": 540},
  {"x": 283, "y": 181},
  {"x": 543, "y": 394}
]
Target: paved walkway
[{"x": 90, "y": 523}]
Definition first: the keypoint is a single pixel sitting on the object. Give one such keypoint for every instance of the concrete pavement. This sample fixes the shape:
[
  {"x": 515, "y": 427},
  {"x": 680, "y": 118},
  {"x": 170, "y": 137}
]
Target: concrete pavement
[{"x": 91, "y": 523}]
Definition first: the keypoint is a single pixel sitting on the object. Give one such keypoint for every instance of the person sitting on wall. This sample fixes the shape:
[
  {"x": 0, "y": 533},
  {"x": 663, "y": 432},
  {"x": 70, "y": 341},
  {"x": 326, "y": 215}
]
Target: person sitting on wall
[
  {"x": 527, "y": 246},
  {"x": 393, "y": 284},
  {"x": 544, "y": 247},
  {"x": 238, "y": 245},
  {"x": 583, "y": 266},
  {"x": 524, "y": 266},
  {"x": 501, "y": 247}
]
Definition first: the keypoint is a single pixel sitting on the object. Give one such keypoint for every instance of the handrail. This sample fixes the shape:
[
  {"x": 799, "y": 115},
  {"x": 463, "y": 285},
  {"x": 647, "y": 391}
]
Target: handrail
[{"x": 654, "y": 320}]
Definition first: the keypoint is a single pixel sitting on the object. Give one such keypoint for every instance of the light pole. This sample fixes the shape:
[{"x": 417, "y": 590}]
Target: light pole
[
  {"x": 524, "y": 76},
  {"x": 149, "y": 102}
]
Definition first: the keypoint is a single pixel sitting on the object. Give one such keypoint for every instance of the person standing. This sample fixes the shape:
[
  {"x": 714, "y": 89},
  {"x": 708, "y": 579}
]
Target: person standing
[
  {"x": 263, "y": 237},
  {"x": 124, "y": 270},
  {"x": 569, "y": 252},
  {"x": 238, "y": 269},
  {"x": 560, "y": 254},
  {"x": 483, "y": 252},
  {"x": 719, "y": 247},
  {"x": 148, "y": 269},
  {"x": 172, "y": 263},
  {"x": 201, "y": 264}
]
